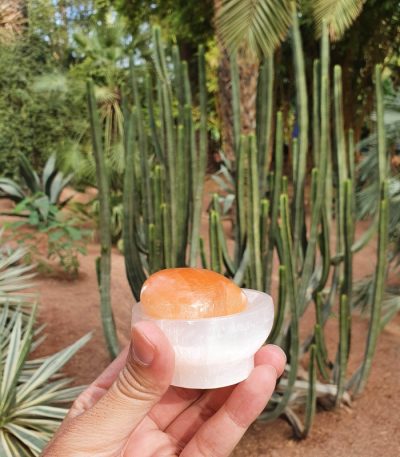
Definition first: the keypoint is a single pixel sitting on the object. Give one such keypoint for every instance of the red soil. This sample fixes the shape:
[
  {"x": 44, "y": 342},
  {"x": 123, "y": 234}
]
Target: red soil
[{"x": 369, "y": 428}]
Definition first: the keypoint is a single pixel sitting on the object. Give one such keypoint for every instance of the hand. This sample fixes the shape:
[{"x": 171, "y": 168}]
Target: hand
[{"x": 132, "y": 411}]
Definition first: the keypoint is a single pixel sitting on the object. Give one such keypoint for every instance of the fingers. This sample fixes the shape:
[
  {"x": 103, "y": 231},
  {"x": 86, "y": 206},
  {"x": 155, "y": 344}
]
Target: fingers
[
  {"x": 271, "y": 355},
  {"x": 138, "y": 387},
  {"x": 220, "y": 434},
  {"x": 186, "y": 424},
  {"x": 184, "y": 427},
  {"x": 174, "y": 402},
  {"x": 89, "y": 397}
]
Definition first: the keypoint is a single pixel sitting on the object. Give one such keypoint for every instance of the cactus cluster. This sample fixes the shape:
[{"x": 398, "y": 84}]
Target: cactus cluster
[{"x": 165, "y": 163}]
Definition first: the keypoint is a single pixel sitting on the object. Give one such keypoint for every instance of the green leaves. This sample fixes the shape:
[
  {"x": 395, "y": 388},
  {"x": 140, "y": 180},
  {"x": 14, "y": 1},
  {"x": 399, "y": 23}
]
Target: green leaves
[
  {"x": 260, "y": 24},
  {"x": 40, "y": 192},
  {"x": 10, "y": 189},
  {"x": 14, "y": 278},
  {"x": 340, "y": 14},
  {"x": 30, "y": 391}
]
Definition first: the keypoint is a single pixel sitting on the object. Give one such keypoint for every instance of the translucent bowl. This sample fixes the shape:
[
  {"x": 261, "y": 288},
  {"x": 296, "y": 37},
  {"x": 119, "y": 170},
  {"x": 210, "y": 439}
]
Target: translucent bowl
[{"x": 216, "y": 351}]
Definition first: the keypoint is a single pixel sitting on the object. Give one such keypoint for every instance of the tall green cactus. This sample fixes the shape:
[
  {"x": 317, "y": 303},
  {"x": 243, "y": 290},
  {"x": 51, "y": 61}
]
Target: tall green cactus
[
  {"x": 273, "y": 218},
  {"x": 104, "y": 261}
]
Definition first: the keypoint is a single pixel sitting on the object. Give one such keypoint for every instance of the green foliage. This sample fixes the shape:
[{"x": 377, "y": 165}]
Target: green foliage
[
  {"x": 32, "y": 123},
  {"x": 188, "y": 23},
  {"x": 44, "y": 227},
  {"x": 33, "y": 395},
  {"x": 368, "y": 206},
  {"x": 38, "y": 204},
  {"x": 260, "y": 25},
  {"x": 43, "y": 192},
  {"x": 339, "y": 14},
  {"x": 263, "y": 24},
  {"x": 161, "y": 228},
  {"x": 103, "y": 263},
  {"x": 164, "y": 175},
  {"x": 14, "y": 277}
]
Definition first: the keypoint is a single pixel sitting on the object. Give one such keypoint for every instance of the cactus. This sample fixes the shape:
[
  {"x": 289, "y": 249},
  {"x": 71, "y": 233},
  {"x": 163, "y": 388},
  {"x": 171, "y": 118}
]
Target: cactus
[
  {"x": 163, "y": 197},
  {"x": 104, "y": 262}
]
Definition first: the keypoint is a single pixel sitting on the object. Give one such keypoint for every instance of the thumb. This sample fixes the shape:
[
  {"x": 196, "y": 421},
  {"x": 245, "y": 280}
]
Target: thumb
[{"x": 140, "y": 384}]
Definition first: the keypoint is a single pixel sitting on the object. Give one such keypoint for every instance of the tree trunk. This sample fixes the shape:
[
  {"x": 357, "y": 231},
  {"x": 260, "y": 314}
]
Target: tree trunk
[{"x": 248, "y": 72}]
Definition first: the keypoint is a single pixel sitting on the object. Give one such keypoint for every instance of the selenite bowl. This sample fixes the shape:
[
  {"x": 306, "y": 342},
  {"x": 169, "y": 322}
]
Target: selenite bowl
[{"x": 216, "y": 351}]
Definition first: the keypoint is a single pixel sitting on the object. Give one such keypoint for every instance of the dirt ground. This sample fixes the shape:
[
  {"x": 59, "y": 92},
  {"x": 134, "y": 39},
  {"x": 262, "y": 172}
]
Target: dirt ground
[{"x": 371, "y": 427}]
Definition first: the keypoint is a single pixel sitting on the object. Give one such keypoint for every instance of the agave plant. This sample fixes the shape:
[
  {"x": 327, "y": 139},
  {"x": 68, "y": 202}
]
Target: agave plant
[
  {"x": 33, "y": 395},
  {"x": 14, "y": 278},
  {"x": 49, "y": 185}
]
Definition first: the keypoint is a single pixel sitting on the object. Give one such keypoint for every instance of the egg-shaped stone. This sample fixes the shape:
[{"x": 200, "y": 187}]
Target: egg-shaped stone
[{"x": 190, "y": 293}]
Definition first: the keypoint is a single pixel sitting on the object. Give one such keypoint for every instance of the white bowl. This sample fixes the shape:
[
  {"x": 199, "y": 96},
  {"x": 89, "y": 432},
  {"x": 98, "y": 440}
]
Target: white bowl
[{"x": 216, "y": 351}]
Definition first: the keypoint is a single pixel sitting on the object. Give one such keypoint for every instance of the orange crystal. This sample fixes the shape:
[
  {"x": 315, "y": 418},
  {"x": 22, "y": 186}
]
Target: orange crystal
[{"x": 190, "y": 293}]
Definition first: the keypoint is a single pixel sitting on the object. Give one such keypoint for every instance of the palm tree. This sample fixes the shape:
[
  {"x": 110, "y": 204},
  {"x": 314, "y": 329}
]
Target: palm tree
[
  {"x": 256, "y": 28},
  {"x": 12, "y": 19},
  {"x": 248, "y": 68}
]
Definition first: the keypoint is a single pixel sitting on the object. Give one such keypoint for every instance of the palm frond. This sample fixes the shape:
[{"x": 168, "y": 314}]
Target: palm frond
[
  {"x": 260, "y": 24},
  {"x": 340, "y": 14}
]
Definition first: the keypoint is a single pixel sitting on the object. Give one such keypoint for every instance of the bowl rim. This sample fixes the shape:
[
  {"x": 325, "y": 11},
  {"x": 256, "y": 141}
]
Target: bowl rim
[{"x": 252, "y": 308}]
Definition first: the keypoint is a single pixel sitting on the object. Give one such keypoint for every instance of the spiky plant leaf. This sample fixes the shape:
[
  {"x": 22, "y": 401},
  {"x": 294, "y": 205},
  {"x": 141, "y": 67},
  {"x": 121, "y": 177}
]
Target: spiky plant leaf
[
  {"x": 340, "y": 15},
  {"x": 14, "y": 277},
  {"x": 48, "y": 171},
  {"x": 260, "y": 24},
  {"x": 10, "y": 189},
  {"x": 29, "y": 174},
  {"x": 30, "y": 391}
]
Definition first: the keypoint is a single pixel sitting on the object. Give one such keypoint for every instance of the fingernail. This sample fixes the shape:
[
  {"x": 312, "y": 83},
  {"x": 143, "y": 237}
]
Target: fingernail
[{"x": 143, "y": 349}]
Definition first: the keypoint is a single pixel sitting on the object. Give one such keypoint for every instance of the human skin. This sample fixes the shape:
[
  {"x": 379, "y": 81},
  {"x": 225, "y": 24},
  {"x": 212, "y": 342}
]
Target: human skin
[{"x": 132, "y": 411}]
